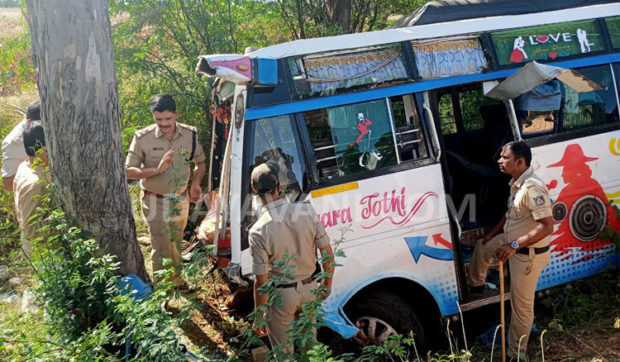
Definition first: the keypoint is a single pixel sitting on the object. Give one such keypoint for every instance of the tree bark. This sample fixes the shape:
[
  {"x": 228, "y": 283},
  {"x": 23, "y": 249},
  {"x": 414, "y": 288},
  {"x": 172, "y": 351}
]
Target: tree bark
[
  {"x": 339, "y": 12},
  {"x": 72, "y": 48}
]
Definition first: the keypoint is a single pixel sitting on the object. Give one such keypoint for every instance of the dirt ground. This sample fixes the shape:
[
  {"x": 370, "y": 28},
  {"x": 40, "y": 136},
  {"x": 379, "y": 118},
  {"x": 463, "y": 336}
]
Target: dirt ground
[
  {"x": 222, "y": 317},
  {"x": 11, "y": 22},
  {"x": 597, "y": 343}
]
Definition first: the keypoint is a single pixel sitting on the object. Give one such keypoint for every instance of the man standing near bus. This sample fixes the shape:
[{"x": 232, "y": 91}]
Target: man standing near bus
[
  {"x": 521, "y": 236},
  {"x": 159, "y": 156},
  {"x": 285, "y": 228}
]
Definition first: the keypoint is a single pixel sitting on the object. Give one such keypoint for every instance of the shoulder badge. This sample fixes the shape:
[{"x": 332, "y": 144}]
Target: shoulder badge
[{"x": 539, "y": 200}]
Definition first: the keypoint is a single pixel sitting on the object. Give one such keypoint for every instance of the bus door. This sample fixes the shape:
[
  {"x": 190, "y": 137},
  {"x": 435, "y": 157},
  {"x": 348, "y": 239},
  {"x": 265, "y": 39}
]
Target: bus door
[
  {"x": 371, "y": 171},
  {"x": 378, "y": 190},
  {"x": 473, "y": 128}
]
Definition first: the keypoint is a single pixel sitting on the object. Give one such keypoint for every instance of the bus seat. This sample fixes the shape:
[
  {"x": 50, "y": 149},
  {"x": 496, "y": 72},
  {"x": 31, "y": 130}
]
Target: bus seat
[
  {"x": 407, "y": 139},
  {"x": 325, "y": 158}
]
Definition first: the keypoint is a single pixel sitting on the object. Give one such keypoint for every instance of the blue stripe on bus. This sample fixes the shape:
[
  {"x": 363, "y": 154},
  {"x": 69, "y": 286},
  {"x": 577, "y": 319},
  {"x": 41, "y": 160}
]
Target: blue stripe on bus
[{"x": 338, "y": 100}]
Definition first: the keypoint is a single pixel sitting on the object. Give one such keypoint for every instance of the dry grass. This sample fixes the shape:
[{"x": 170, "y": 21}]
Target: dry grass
[
  {"x": 13, "y": 108},
  {"x": 12, "y": 22}
]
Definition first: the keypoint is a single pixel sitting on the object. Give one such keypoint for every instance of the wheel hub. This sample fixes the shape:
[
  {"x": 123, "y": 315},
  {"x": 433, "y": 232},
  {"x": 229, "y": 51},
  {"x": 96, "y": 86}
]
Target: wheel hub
[{"x": 372, "y": 331}]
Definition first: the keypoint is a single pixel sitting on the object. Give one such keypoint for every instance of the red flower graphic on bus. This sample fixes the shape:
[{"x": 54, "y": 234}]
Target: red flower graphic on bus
[{"x": 582, "y": 208}]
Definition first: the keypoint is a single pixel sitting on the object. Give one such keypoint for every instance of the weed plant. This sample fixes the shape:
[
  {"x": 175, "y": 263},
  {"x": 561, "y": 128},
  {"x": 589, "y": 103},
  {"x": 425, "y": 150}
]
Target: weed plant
[
  {"x": 86, "y": 315},
  {"x": 583, "y": 302}
]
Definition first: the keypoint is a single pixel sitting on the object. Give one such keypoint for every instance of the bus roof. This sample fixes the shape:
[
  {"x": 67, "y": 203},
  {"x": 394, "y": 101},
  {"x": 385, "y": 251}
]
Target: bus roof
[
  {"x": 459, "y": 27},
  {"x": 443, "y": 11}
]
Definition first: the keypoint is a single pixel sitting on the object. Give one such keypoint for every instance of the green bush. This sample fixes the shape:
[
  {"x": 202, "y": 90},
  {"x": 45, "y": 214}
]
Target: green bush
[{"x": 86, "y": 315}]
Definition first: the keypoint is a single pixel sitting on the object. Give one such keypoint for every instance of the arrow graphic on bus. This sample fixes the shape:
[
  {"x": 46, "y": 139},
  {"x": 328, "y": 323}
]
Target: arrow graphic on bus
[{"x": 417, "y": 246}]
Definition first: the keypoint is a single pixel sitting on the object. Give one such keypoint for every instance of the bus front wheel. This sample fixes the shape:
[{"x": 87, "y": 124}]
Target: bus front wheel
[{"x": 381, "y": 315}]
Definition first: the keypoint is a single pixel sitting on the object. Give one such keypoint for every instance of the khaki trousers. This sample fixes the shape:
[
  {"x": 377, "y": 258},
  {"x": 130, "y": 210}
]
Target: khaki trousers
[
  {"x": 524, "y": 273},
  {"x": 484, "y": 255},
  {"x": 281, "y": 316},
  {"x": 166, "y": 230}
]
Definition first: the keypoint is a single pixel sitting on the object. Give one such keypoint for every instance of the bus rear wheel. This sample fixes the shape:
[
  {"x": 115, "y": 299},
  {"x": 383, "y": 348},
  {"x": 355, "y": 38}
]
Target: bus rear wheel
[{"x": 381, "y": 315}]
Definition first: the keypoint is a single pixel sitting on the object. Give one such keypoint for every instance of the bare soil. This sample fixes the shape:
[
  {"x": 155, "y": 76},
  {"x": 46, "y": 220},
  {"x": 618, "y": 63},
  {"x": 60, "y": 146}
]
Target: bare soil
[
  {"x": 596, "y": 343},
  {"x": 11, "y": 22},
  {"x": 223, "y": 316}
]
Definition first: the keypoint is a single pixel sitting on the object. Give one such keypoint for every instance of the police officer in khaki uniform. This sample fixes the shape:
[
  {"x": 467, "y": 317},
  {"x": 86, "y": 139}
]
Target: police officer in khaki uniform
[
  {"x": 285, "y": 227},
  {"x": 524, "y": 242},
  {"x": 159, "y": 156},
  {"x": 13, "y": 152},
  {"x": 30, "y": 181}
]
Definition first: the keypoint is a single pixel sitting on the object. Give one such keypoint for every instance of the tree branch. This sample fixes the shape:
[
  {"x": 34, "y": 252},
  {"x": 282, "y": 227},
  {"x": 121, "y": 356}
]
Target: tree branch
[
  {"x": 230, "y": 26},
  {"x": 373, "y": 21},
  {"x": 187, "y": 22},
  {"x": 171, "y": 72},
  {"x": 300, "y": 19},
  {"x": 286, "y": 18}
]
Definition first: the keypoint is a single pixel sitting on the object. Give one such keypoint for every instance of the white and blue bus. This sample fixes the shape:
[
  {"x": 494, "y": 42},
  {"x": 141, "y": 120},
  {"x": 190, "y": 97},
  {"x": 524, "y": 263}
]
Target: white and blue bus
[{"x": 391, "y": 137}]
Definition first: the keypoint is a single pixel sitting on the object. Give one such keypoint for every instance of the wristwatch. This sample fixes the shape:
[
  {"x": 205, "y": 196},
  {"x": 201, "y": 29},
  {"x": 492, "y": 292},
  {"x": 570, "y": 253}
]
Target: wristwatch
[{"x": 515, "y": 245}]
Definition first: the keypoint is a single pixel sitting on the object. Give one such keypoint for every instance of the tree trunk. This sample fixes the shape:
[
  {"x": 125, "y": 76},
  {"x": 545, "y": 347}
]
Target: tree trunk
[
  {"x": 339, "y": 12},
  {"x": 72, "y": 48}
]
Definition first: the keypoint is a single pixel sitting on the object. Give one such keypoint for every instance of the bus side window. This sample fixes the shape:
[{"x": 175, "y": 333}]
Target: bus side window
[
  {"x": 538, "y": 109},
  {"x": 555, "y": 107},
  {"x": 322, "y": 144},
  {"x": 591, "y": 108},
  {"x": 471, "y": 101},
  {"x": 275, "y": 139},
  {"x": 447, "y": 117},
  {"x": 409, "y": 135},
  {"x": 351, "y": 139}
]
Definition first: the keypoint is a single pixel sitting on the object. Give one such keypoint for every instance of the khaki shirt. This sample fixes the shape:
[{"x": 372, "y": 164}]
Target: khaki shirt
[
  {"x": 28, "y": 185},
  {"x": 288, "y": 227},
  {"x": 149, "y": 146},
  {"x": 13, "y": 151},
  {"x": 529, "y": 201}
]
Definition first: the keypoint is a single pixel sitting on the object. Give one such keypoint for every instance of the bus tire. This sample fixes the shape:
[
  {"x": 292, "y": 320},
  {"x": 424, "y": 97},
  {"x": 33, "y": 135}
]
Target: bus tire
[{"x": 382, "y": 314}]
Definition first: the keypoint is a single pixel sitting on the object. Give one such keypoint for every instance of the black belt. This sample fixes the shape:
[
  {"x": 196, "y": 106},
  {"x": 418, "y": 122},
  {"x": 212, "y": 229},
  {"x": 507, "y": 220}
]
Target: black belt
[
  {"x": 292, "y": 285},
  {"x": 526, "y": 251}
]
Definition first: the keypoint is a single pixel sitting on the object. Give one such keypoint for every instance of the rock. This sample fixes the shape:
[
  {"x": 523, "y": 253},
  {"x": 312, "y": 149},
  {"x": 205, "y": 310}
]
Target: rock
[{"x": 15, "y": 281}]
